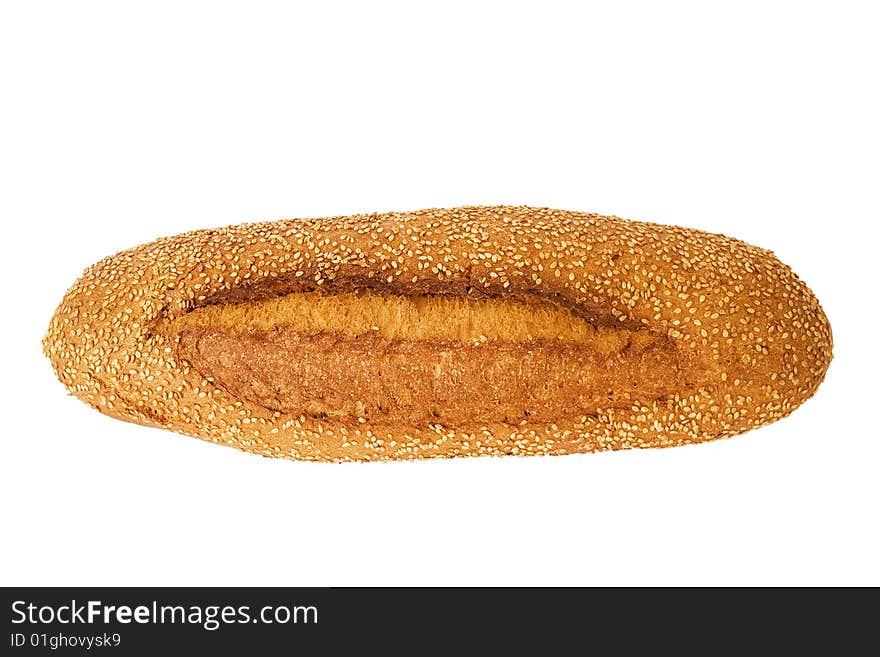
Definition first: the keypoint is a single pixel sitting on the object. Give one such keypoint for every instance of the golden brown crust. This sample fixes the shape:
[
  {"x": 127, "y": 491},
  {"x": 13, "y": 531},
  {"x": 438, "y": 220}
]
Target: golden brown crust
[{"x": 756, "y": 328}]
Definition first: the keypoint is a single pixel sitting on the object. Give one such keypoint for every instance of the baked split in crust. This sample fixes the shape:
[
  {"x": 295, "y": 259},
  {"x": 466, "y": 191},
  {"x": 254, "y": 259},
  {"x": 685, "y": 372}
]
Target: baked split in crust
[{"x": 380, "y": 358}]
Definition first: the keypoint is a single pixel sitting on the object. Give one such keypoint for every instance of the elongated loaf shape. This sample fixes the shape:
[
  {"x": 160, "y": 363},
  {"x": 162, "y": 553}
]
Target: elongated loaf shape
[{"x": 478, "y": 330}]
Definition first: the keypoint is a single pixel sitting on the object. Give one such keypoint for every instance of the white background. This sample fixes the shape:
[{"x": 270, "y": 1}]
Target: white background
[{"x": 123, "y": 122}]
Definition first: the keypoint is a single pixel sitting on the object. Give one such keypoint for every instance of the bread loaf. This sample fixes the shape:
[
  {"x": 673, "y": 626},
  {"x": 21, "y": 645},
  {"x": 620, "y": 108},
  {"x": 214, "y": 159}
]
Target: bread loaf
[{"x": 470, "y": 331}]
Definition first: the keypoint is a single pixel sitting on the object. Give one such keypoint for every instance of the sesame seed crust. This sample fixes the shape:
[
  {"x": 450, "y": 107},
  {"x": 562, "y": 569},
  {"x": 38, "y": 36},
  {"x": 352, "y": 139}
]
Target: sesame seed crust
[{"x": 755, "y": 324}]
